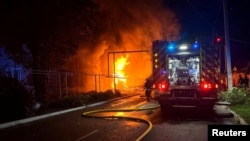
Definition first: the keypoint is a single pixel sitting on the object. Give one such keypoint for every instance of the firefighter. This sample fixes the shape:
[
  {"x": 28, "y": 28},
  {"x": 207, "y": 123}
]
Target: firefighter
[
  {"x": 240, "y": 81},
  {"x": 246, "y": 81},
  {"x": 148, "y": 87}
]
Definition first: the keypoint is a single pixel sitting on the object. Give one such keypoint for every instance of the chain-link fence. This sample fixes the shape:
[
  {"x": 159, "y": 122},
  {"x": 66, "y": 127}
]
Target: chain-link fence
[{"x": 57, "y": 84}]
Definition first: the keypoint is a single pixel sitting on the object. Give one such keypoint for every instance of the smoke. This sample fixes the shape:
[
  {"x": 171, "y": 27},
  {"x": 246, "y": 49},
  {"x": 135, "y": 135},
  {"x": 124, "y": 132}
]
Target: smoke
[{"x": 127, "y": 25}]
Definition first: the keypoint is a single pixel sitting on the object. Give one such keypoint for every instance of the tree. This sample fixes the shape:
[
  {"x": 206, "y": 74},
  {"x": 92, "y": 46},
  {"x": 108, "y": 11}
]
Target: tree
[
  {"x": 14, "y": 99},
  {"x": 51, "y": 30}
]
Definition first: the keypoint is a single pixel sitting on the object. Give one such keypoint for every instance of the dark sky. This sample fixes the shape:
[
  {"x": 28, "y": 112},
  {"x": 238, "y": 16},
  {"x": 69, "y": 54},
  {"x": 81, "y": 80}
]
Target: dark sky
[{"x": 204, "y": 18}]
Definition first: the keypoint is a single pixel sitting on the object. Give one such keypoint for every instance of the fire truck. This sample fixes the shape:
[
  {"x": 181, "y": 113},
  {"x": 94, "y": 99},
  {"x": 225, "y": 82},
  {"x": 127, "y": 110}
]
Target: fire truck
[{"x": 185, "y": 75}]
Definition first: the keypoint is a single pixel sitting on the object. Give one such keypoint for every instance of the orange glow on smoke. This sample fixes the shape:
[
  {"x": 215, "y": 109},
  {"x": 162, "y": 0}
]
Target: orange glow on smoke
[
  {"x": 120, "y": 77},
  {"x": 123, "y": 28}
]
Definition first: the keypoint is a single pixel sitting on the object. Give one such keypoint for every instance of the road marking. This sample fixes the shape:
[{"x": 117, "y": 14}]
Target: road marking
[
  {"x": 123, "y": 101},
  {"x": 89, "y": 134}
]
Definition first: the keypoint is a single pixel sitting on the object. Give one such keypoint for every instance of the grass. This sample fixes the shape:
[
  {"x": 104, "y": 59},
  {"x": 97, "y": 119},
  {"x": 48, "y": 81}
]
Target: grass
[
  {"x": 240, "y": 101},
  {"x": 243, "y": 110}
]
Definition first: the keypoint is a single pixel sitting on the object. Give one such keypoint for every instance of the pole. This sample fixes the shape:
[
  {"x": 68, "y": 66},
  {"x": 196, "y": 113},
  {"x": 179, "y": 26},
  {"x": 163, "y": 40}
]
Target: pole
[
  {"x": 66, "y": 83},
  {"x": 60, "y": 89},
  {"x": 108, "y": 64},
  {"x": 227, "y": 46},
  {"x": 114, "y": 72},
  {"x": 95, "y": 84},
  {"x": 99, "y": 82}
]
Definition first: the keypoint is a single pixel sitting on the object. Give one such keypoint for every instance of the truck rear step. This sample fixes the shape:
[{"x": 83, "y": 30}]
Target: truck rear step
[{"x": 184, "y": 106}]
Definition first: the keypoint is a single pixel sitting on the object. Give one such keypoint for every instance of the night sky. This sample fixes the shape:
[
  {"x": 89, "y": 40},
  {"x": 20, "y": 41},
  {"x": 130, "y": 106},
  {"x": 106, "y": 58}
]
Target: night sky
[
  {"x": 204, "y": 18},
  {"x": 198, "y": 19}
]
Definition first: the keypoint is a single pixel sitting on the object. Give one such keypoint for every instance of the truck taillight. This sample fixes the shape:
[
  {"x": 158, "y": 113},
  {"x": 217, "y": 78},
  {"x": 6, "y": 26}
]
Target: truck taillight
[
  {"x": 163, "y": 86},
  {"x": 216, "y": 86},
  {"x": 208, "y": 86}
]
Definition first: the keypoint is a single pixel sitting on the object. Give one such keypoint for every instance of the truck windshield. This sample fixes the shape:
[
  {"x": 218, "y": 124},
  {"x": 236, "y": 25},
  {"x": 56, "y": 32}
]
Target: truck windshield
[{"x": 184, "y": 70}]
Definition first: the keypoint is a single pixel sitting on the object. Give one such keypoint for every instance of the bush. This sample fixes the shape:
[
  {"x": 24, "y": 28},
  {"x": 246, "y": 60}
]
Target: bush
[
  {"x": 15, "y": 101},
  {"x": 234, "y": 96}
]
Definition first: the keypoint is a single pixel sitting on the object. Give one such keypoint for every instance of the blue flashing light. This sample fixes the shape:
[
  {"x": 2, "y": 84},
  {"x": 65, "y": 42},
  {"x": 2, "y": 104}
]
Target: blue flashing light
[
  {"x": 195, "y": 45},
  {"x": 171, "y": 46}
]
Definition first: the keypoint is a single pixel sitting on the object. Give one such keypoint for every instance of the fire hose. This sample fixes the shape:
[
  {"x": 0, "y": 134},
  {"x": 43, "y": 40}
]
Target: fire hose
[{"x": 150, "y": 125}]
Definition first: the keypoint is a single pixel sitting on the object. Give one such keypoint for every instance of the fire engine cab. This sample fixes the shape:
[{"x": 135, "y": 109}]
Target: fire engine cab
[{"x": 185, "y": 75}]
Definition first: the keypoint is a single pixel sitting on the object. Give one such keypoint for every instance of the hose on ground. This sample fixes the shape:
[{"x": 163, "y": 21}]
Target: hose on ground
[{"x": 150, "y": 125}]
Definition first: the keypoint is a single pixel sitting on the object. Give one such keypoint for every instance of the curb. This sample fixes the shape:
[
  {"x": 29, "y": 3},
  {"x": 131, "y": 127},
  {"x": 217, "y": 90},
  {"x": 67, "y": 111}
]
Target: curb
[
  {"x": 238, "y": 119},
  {"x": 22, "y": 121}
]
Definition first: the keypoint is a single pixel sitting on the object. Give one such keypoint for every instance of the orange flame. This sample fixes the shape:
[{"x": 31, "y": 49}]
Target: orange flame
[{"x": 119, "y": 74}]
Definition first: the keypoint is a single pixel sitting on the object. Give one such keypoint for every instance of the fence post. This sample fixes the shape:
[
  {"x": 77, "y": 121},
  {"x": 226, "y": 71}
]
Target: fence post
[
  {"x": 99, "y": 82},
  {"x": 59, "y": 79},
  {"x": 95, "y": 84},
  {"x": 66, "y": 83}
]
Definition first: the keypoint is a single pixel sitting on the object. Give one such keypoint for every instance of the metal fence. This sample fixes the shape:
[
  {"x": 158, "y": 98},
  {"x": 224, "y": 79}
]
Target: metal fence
[{"x": 60, "y": 84}]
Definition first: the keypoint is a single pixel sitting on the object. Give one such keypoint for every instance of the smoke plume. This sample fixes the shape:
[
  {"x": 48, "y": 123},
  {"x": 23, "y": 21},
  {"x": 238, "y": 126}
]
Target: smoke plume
[{"x": 126, "y": 25}]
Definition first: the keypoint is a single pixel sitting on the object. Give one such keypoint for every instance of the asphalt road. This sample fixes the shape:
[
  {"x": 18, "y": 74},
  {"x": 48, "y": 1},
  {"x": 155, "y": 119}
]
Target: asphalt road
[{"x": 71, "y": 126}]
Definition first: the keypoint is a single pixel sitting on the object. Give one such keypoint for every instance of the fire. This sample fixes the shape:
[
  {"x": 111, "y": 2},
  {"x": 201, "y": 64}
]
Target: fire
[
  {"x": 117, "y": 33},
  {"x": 119, "y": 74}
]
